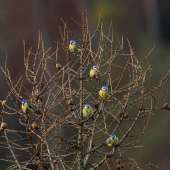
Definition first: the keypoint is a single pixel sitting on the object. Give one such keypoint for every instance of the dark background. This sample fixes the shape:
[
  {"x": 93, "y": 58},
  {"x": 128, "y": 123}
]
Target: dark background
[{"x": 145, "y": 23}]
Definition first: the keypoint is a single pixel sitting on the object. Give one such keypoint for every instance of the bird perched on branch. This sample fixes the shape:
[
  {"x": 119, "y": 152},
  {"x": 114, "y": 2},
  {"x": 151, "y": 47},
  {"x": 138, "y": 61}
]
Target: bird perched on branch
[
  {"x": 87, "y": 110},
  {"x": 74, "y": 47},
  {"x": 28, "y": 107},
  {"x": 112, "y": 140},
  {"x": 94, "y": 72},
  {"x": 104, "y": 92}
]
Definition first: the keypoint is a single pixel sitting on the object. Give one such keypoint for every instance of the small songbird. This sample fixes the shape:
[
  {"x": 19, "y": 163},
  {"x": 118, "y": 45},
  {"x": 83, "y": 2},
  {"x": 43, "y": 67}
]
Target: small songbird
[
  {"x": 87, "y": 110},
  {"x": 104, "y": 92},
  {"x": 28, "y": 108},
  {"x": 74, "y": 47},
  {"x": 94, "y": 72},
  {"x": 112, "y": 140}
]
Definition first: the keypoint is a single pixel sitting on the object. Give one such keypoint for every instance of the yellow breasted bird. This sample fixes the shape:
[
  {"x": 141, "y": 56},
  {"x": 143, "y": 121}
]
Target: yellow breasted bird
[
  {"x": 74, "y": 47},
  {"x": 94, "y": 72},
  {"x": 104, "y": 92},
  {"x": 112, "y": 140},
  {"x": 87, "y": 110},
  {"x": 28, "y": 108}
]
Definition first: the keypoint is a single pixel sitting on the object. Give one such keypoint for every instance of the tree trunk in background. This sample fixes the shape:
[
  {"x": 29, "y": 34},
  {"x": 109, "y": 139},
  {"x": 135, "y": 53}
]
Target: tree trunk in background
[
  {"x": 152, "y": 18},
  {"x": 40, "y": 16}
]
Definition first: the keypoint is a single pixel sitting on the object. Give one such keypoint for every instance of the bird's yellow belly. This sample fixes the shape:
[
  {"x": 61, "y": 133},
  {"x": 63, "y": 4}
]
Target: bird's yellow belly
[
  {"x": 104, "y": 94},
  {"x": 74, "y": 49},
  {"x": 91, "y": 71},
  {"x": 25, "y": 109},
  {"x": 113, "y": 142},
  {"x": 87, "y": 112}
]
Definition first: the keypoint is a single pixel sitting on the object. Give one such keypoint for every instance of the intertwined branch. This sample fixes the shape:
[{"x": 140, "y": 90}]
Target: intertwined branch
[{"x": 61, "y": 138}]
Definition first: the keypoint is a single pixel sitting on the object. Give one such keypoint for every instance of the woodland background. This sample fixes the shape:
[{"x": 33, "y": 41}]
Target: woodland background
[{"x": 145, "y": 23}]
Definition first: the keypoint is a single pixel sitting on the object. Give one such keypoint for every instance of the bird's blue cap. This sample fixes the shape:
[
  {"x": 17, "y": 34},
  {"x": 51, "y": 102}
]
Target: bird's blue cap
[
  {"x": 87, "y": 105},
  {"x": 72, "y": 42},
  {"x": 113, "y": 136},
  {"x": 104, "y": 88},
  {"x": 94, "y": 66},
  {"x": 24, "y": 101}
]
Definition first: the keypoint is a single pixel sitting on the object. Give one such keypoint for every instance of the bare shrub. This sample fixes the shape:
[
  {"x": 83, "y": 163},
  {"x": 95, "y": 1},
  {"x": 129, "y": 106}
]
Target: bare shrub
[{"x": 60, "y": 138}]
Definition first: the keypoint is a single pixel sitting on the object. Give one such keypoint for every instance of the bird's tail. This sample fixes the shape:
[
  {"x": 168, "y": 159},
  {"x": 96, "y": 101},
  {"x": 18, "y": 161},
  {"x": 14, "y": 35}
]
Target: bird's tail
[{"x": 38, "y": 112}]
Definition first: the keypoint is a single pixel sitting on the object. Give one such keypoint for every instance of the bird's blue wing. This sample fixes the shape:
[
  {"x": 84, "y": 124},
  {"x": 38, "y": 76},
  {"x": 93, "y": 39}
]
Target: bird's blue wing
[
  {"x": 32, "y": 107},
  {"x": 109, "y": 92},
  {"x": 78, "y": 46}
]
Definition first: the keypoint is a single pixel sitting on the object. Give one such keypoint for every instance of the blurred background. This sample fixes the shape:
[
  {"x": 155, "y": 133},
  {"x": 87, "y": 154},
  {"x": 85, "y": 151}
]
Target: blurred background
[{"x": 145, "y": 23}]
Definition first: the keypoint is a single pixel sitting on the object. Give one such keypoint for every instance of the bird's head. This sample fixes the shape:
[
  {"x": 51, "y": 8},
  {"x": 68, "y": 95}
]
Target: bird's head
[
  {"x": 104, "y": 88},
  {"x": 94, "y": 67},
  {"x": 86, "y": 106},
  {"x": 24, "y": 102},
  {"x": 72, "y": 42},
  {"x": 113, "y": 136}
]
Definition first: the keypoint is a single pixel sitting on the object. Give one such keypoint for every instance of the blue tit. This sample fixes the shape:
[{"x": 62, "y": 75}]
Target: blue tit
[
  {"x": 94, "y": 72},
  {"x": 74, "y": 47},
  {"x": 112, "y": 140},
  {"x": 104, "y": 92},
  {"x": 28, "y": 108},
  {"x": 87, "y": 110}
]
